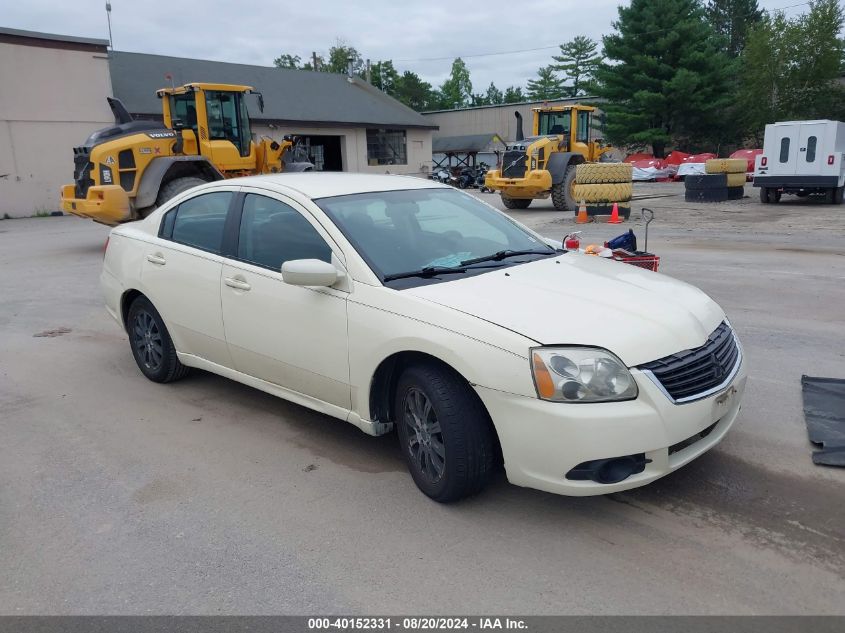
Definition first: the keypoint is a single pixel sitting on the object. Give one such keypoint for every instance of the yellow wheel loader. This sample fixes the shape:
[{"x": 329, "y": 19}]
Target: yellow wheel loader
[
  {"x": 543, "y": 164},
  {"x": 124, "y": 171}
]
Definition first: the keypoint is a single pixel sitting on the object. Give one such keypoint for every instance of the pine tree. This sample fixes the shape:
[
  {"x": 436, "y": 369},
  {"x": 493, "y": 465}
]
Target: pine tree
[
  {"x": 513, "y": 95},
  {"x": 456, "y": 91},
  {"x": 493, "y": 95},
  {"x": 578, "y": 60},
  {"x": 669, "y": 83},
  {"x": 415, "y": 93},
  {"x": 384, "y": 77},
  {"x": 732, "y": 19},
  {"x": 547, "y": 85}
]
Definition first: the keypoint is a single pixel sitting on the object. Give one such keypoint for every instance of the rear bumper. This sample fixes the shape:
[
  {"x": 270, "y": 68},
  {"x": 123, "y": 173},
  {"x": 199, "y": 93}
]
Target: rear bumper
[
  {"x": 796, "y": 182},
  {"x": 543, "y": 441},
  {"x": 534, "y": 184},
  {"x": 108, "y": 204}
]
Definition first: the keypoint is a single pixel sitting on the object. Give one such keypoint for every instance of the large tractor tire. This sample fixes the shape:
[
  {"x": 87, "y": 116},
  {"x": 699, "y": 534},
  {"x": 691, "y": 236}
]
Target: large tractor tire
[
  {"x": 736, "y": 180},
  {"x": 516, "y": 203},
  {"x": 596, "y": 173},
  {"x": 177, "y": 186},
  {"x": 725, "y": 166},
  {"x": 736, "y": 193},
  {"x": 563, "y": 197},
  {"x": 706, "y": 195},
  {"x": 605, "y": 192},
  {"x": 706, "y": 181}
]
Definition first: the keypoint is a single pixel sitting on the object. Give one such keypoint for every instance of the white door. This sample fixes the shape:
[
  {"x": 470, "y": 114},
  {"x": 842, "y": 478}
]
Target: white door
[
  {"x": 292, "y": 336},
  {"x": 181, "y": 274},
  {"x": 785, "y": 150},
  {"x": 811, "y": 149}
]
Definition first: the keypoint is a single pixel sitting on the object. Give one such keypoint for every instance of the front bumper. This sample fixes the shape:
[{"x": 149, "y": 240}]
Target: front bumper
[
  {"x": 107, "y": 204},
  {"x": 535, "y": 184},
  {"x": 542, "y": 441}
]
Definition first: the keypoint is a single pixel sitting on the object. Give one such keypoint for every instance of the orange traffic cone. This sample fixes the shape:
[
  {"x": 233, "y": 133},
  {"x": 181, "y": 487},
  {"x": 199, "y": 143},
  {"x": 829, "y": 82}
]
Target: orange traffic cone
[
  {"x": 582, "y": 217},
  {"x": 614, "y": 215}
]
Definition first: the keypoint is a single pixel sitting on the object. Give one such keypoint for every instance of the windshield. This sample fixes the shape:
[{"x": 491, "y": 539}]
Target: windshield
[
  {"x": 554, "y": 123},
  {"x": 401, "y": 231}
]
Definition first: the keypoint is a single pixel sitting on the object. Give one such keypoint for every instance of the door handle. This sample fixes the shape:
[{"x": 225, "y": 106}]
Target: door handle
[
  {"x": 237, "y": 284},
  {"x": 157, "y": 259}
]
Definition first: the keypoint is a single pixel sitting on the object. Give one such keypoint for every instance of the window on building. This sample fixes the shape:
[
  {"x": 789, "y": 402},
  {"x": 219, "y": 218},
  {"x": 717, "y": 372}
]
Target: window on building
[{"x": 386, "y": 147}]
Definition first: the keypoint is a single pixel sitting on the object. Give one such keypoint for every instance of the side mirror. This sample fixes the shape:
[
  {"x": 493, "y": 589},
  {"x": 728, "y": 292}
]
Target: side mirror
[
  {"x": 310, "y": 272},
  {"x": 177, "y": 124}
]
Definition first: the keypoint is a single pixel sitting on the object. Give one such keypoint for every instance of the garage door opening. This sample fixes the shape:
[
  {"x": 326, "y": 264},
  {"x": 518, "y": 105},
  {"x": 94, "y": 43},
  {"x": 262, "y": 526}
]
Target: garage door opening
[{"x": 324, "y": 152}]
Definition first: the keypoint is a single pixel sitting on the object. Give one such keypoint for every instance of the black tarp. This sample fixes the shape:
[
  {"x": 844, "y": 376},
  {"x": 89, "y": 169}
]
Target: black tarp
[{"x": 824, "y": 413}]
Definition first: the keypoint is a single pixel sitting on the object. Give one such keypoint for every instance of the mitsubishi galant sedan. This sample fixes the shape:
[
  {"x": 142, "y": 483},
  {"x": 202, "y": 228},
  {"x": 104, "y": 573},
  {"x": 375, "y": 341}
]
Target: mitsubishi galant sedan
[{"x": 394, "y": 302}]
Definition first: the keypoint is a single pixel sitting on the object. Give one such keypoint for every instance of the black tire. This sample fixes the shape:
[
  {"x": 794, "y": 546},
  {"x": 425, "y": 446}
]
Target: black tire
[
  {"x": 706, "y": 195},
  {"x": 463, "y": 433},
  {"x": 764, "y": 195},
  {"x": 606, "y": 209},
  {"x": 838, "y": 195},
  {"x": 515, "y": 203},
  {"x": 562, "y": 197},
  {"x": 145, "y": 327},
  {"x": 736, "y": 193},
  {"x": 177, "y": 186},
  {"x": 704, "y": 182}
]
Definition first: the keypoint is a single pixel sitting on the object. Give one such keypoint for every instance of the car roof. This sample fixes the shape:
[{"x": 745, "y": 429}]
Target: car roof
[{"x": 323, "y": 185}]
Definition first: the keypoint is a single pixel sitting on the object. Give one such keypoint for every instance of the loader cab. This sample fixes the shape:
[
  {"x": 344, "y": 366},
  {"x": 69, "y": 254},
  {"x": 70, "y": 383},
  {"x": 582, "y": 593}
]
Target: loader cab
[
  {"x": 573, "y": 123},
  {"x": 214, "y": 121}
]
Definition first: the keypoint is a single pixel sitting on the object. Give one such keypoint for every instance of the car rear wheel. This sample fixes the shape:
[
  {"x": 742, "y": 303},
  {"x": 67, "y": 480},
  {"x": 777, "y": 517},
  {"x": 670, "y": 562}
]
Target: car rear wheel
[
  {"x": 445, "y": 434},
  {"x": 152, "y": 346}
]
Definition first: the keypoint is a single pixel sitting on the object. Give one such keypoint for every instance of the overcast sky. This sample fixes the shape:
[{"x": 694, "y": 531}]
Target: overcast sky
[{"x": 410, "y": 33}]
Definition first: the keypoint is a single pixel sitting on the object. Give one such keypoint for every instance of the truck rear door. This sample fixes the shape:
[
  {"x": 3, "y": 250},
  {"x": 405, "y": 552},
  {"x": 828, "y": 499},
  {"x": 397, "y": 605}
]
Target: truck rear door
[
  {"x": 812, "y": 151},
  {"x": 784, "y": 150}
]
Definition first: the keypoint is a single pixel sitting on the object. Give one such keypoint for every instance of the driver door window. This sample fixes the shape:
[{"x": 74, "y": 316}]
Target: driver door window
[{"x": 227, "y": 120}]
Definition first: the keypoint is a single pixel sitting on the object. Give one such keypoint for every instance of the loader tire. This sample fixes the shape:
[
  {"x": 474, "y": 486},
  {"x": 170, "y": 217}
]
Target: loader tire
[
  {"x": 516, "y": 203},
  {"x": 705, "y": 182},
  {"x": 562, "y": 193},
  {"x": 726, "y": 166},
  {"x": 177, "y": 186},
  {"x": 606, "y": 208},
  {"x": 706, "y": 195},
  {"x": 605, "y": 192},
  {"x": 736, "y": 193},
  {"x": 736, "y": 180},
  {"x": 597, "y": 173}
]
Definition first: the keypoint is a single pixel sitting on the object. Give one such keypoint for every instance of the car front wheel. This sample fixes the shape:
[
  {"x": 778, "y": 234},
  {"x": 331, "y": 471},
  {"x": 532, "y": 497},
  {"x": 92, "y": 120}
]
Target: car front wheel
[{"x": 444, "y": 431}]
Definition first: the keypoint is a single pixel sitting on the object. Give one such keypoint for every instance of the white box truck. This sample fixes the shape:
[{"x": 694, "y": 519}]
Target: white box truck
[{"x": 802, "y": 158}]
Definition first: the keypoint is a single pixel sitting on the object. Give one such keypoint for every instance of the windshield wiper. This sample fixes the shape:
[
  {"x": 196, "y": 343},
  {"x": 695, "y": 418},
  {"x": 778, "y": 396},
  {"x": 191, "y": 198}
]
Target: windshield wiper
[
  {"x": 499, "y": 256},
  {"x": 426, "y": 271}
]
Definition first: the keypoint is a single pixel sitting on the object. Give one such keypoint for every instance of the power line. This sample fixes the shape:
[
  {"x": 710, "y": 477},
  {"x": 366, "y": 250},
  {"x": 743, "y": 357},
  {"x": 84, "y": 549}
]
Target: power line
[{"x": 552, "y": 46}]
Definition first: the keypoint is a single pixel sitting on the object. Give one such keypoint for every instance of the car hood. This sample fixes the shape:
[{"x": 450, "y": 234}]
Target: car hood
[{"x": 577, "y": 299}]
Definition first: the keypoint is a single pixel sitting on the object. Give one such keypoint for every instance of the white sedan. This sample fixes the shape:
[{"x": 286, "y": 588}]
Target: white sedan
[{"x": 396, "y": 302}]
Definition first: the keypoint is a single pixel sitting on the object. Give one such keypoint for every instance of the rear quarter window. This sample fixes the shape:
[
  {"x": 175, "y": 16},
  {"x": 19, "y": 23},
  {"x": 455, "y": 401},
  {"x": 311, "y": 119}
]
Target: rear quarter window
[{"x": 199, "y": 222}]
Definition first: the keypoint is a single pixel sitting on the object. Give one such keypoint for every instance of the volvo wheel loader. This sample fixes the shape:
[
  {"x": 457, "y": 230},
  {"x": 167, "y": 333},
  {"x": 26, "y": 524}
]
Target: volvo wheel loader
[
  {"x": 543, "y": 164},
  {"x": 124, "y": 171}
]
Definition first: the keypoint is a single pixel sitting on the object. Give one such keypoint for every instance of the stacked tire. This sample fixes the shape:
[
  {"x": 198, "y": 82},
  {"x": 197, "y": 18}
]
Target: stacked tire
[
  {"x": 600, "y": 185},
  {"x": 724, "y": 179}
]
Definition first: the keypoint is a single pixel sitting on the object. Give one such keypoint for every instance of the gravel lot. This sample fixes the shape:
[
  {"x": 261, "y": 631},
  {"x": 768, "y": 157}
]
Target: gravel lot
[{"x": 121, "y": 496}]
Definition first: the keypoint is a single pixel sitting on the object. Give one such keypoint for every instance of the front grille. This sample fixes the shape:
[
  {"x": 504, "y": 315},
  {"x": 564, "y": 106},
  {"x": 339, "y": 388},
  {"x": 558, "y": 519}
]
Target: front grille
[
  {"x": 694, "y": 372},
  {"x": 82, "y": 171},
  {"x": 513, "y": 164}
]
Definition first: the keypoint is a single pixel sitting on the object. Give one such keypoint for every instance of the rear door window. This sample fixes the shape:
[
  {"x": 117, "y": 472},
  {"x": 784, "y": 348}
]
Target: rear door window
[
  {"x": 784, "y": 149},
  {"x": 199, "y": 222},
  {"x": 811, "y": 149}
]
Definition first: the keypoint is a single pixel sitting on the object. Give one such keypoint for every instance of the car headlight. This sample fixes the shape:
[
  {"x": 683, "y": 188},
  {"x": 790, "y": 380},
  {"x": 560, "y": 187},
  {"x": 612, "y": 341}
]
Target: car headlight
[{"x": 581, "y": 374}]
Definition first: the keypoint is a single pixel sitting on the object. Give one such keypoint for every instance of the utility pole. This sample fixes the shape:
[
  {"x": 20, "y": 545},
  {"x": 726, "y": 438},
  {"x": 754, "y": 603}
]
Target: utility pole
[
  {"x": 314, "y": 60},
  {"x": 369, "y": 75},
  {"x": 108, "y": 17}
]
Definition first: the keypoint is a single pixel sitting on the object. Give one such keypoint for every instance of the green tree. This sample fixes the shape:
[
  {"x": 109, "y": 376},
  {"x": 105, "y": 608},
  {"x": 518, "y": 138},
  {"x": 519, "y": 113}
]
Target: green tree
[
  {"x": 309, "y": 65},
  {"x": 513, "y": 95},
  {"x": 547, "y": 85},
  {"x": 415, "y": 93},
  {"x": 456, "y": 91},
  {"x": 384, "y": 77},
  {"x": 669, "y": 83},
  {"x": 493, "y": 95},
  {"x": 339, "y": 57},
  {"x": 732, "y": 19},
  {"x": 287, "y": 61},
  {"x": 578, "y": 60},
  {"x": 791, "y": 67}
]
